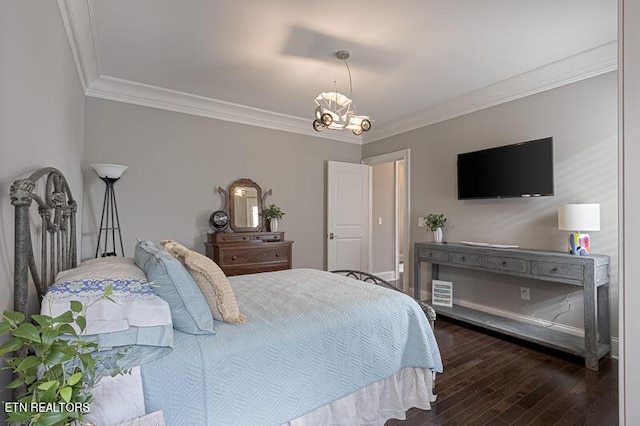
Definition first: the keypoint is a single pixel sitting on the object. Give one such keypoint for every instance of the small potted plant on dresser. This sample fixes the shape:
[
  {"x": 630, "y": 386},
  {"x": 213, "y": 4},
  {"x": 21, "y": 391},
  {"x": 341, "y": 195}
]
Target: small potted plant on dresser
[
  {"x": 273, "y": 213},
  {"x": 435, "y": 222}
]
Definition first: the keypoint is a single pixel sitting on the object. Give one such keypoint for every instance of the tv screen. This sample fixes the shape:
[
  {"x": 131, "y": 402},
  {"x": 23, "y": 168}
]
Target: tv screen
[{"x": 519, "y": 170}]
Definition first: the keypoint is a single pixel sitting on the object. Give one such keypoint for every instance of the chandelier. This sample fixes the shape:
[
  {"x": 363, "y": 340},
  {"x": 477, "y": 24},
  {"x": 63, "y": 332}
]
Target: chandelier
[{"x": 335, "y": 111}]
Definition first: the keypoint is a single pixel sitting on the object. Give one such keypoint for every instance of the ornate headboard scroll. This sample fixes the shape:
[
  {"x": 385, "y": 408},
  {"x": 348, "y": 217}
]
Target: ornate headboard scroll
[{"x": 58, "y": 250}]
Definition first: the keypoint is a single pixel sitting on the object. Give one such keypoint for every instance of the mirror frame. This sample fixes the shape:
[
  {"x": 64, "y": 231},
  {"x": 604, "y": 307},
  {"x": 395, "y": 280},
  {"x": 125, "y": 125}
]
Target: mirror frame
[{"x": 229, "y": 202}]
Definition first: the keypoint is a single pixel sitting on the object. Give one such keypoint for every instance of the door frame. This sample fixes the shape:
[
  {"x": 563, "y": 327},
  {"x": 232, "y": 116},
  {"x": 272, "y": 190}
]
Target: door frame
[{"x": 405, "y": 155}]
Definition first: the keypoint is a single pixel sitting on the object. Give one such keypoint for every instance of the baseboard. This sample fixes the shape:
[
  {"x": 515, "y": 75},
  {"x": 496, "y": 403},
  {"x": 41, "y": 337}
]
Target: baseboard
[
  {"x": 426, "y": 295},
  {"x": 526, "y": 318},
  {"x": 575, "y": 331},
  {"x": 614, "y": 347}
]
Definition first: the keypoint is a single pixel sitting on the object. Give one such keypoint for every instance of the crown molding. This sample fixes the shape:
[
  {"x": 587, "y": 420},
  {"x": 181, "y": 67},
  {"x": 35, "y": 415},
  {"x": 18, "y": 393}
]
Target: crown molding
[
  {"x": 131, "y": 92},
  {"x": 77, "y": 16},
  {"x": 581, "y": 66}
]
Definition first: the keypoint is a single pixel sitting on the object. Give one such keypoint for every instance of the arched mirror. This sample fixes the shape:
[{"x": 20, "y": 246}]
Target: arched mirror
[{"x": 246, "y": 203}]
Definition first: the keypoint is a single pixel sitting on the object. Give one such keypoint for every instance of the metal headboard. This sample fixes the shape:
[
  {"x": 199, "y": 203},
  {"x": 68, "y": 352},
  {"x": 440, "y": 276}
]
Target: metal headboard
[{"x": 58, "y": 250}]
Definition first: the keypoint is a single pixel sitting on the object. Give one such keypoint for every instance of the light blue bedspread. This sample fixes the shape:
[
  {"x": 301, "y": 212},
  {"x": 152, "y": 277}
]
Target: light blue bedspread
[{"x": 312, "y": 337}]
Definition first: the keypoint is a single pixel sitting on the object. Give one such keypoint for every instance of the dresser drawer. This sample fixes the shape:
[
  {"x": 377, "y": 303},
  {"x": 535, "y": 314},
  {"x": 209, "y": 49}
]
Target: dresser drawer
[
  {"x": 561, "y": 270},
  {"x": 505, "y": 264},
  {"x": 244, "y": 256},
  {"x": 230, "y": 238},
  {"x": 269, "y": 237},
  {"x": 465, "y": 259},
  {"x": 427, "y": 255}
]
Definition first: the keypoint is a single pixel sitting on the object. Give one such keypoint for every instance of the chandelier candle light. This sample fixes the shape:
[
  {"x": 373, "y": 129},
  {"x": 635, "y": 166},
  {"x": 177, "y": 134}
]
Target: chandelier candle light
[
  {"x": 577, "y": 218},
  {"x": 110, "y": 222},
  {"x": 336, "y": 111}
]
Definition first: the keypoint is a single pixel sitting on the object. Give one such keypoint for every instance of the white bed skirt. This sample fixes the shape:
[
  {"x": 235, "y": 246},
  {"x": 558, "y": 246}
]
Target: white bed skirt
[
  {"x": 376, "y": 403},
  {"x": 120, "y": 398}
]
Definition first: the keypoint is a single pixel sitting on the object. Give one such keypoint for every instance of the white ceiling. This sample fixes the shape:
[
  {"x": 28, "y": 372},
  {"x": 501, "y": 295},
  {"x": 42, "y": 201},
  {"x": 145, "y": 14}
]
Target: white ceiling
[{"x": 412, "y": 62}]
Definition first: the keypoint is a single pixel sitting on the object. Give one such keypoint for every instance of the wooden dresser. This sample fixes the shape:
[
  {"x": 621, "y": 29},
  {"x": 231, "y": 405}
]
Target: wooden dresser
[{"x": 239, "y": 253}]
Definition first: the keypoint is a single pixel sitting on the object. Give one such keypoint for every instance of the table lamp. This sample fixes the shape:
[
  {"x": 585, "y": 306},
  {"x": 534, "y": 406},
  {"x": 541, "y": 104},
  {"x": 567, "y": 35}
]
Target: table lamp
[
  {"x": 110, "y": 222},
  {"x": 578, "y": 218}
]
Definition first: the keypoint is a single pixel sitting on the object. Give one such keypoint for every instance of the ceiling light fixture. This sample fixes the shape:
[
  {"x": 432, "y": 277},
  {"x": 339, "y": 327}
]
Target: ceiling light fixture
[{"x": 335, "y": 111}]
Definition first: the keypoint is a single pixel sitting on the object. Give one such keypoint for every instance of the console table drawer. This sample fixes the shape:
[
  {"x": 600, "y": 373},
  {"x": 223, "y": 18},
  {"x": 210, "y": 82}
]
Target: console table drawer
[
  {"x": 505, "y": 264},
  {"x": 436, "y": 255},
  {"x": 562, "y": 270},
  {"x": 465, "y": 259}
]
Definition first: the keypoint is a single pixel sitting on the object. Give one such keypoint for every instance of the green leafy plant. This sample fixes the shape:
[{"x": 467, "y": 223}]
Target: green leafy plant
[
  {"x": 435, "y": 221},
  {"x": 52, "y": 363},
  {"x": 273, "y": 212}
]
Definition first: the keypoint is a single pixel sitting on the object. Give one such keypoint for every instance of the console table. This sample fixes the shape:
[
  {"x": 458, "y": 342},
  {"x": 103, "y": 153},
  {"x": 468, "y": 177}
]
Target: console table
[{"x": 589, "y": 272}]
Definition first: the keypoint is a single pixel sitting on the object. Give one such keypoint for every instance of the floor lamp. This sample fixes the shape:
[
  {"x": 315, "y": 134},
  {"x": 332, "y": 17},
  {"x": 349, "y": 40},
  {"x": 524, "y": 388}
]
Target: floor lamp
[{"x": 110, "y": 222}]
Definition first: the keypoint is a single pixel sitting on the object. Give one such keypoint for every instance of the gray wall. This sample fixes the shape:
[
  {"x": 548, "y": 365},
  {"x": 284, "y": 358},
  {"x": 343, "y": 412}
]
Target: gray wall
[
  {"x": 178, "y": 161},
  {"x": 41, "y": 114},
  {"x": 582, "y": 118},
  {"x": 630, "y": 69},
  {"x": 383, "y": 206}
]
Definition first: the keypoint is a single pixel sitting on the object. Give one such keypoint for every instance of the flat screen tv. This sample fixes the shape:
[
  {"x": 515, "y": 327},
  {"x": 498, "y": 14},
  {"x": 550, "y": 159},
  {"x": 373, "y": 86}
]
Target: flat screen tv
[{"x": 519, "y": 170}]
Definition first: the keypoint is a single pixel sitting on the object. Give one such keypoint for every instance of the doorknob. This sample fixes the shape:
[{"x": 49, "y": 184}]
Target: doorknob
[{"x": 332, "y": 235}]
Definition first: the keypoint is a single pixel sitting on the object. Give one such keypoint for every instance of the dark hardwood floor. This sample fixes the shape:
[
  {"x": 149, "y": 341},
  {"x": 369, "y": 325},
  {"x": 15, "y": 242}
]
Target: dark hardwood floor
[{"x": 493, "y": 380}]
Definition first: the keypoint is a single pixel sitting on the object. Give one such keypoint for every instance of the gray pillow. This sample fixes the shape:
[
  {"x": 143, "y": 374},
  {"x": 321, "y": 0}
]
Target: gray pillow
[{"x": 171, "y": 280}]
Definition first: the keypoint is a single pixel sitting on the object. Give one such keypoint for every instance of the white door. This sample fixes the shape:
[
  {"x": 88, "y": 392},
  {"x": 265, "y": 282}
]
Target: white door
[{"x": 347, "y": 216}]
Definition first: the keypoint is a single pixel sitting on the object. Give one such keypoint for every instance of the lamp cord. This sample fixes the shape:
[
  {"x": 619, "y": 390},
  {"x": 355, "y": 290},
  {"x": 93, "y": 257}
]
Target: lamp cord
[{"x": 552, "y": 323}]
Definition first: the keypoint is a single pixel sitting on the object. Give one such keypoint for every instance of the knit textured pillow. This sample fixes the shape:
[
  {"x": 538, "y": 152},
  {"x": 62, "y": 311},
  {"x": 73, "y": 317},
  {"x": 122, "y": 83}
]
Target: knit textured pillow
[{"x": 212, "y": 282}]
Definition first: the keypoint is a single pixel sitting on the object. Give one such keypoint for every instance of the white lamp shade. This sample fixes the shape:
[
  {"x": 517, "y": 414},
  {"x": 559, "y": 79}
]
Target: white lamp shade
[
  {"x": 579, "y": 217},
  {"x": 112, "y": 171}
]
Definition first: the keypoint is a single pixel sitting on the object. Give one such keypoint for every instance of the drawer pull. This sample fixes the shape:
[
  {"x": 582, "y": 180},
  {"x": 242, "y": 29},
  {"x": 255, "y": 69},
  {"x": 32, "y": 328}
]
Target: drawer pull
[
  {"x": 463, "y": 258},
  {"x": 234, "y": 257},
  {"x": 504, "y": 263},
  {"x": 555, "y": 269},
  {"x": 244, "y": 238},
  {"x": 430, "y": 254},
  {"x": 277, "y": 254}
]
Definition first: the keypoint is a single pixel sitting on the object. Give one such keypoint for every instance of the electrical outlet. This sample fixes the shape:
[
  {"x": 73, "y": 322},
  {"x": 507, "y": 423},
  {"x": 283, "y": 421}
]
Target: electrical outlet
[
  {"x": 422, "y": 222},
  {"x": 525, "y": 293}
]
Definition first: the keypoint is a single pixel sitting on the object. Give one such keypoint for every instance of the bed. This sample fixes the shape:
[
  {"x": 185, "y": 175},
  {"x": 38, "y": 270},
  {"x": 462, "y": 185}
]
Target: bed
[{"x": 314, "y": 348}]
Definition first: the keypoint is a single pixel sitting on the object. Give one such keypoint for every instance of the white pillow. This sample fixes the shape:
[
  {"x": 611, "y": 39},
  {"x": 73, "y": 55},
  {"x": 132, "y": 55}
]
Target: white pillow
[
  {"x": 135, "y": 318},
  {"x": 103, "y": 267}
]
